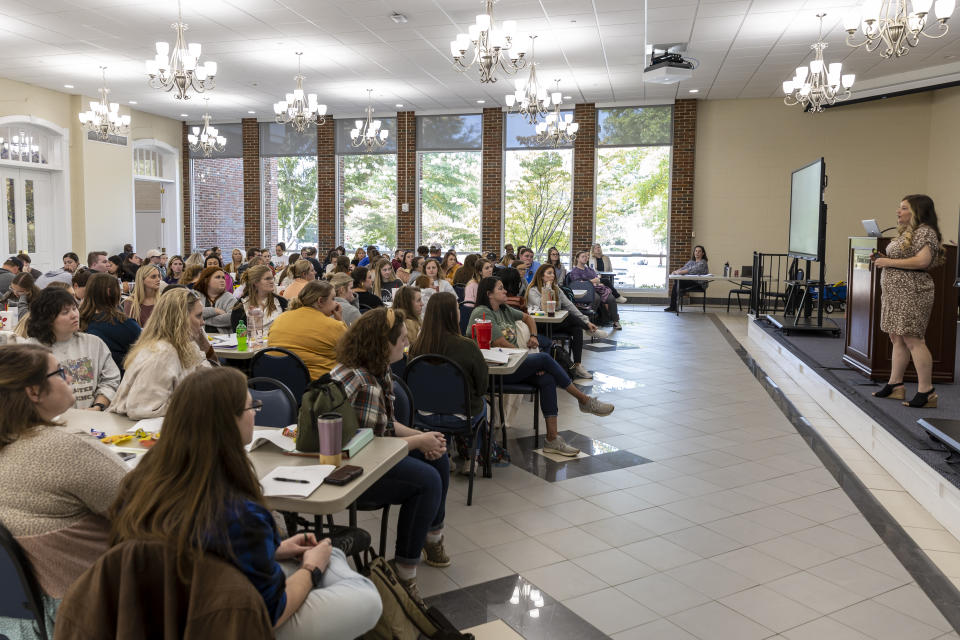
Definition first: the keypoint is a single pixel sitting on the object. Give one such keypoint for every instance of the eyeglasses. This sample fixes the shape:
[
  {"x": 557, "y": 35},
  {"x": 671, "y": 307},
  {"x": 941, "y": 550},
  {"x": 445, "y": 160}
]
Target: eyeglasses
[
  {"x": 255, "y": 406},
  {"x": 60, "y": 371}
]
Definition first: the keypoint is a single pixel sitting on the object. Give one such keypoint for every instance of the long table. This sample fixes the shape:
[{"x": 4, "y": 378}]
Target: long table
[
  {"x": 376, "y": 458},
  {"x": 698, "y": 278}
]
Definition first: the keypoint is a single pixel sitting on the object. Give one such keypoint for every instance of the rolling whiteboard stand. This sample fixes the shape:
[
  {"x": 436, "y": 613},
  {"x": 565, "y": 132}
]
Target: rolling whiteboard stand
[{"x": 808, "y": 236}]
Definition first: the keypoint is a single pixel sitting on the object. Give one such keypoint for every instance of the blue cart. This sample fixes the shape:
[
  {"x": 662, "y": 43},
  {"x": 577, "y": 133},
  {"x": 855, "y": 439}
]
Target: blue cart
[{"x": 834, "y": 297}]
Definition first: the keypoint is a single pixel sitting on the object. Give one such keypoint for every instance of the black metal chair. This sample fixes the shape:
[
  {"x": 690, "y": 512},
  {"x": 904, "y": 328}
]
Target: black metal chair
[
  {"x": 20, "y": 595},
  {"x": 287, "y": 367},
  {"x": 699, "y": 287},
  {"x": 460, "y": 290},
  {"x": 520, "y": 388},
  {"x": 364, "y": 308},
  {"x": 465, "y": 310},
  {"x": 279, "y": 405},
  {"x": 587, "y": 301},
  {"x": 440, "y": 386},
  {"x": 745, "y": 289}
]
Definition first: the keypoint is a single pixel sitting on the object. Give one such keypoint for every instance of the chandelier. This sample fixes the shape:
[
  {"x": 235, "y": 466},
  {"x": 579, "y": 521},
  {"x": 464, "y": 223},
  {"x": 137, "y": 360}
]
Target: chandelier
[
  {"x": 296, "y": 110},
  {"x": 531, "y": 99},
  {"x": 180, "y": 70},
  {"x": 492, "y": 47},
  {"x": 558, "y": 128},
  {"x": 367, "y": 133},
  {"x": 208, "y": 139},
  {"x": 819, "y": 85},
  {"x": 888, "y": 23},
  {"x": 104, "y": 117}
]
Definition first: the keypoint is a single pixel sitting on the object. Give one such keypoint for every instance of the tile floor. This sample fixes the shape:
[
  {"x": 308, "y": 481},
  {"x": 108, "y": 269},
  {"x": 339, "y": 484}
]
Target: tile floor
[{"x": 732, "y": 530}]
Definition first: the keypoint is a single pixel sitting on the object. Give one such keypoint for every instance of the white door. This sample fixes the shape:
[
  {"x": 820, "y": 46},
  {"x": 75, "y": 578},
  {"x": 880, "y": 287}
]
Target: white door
[{"x": 28, "y": 226}]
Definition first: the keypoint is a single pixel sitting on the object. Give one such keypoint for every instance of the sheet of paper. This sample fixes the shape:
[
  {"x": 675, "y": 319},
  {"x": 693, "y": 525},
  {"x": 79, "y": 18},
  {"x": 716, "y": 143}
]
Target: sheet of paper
[
  {"x": 148, "y": 424},
  {"x": 225, "y": 341},
  {"x": 494, "y": 356},
  {"x": 313, "y": 474},
  {"x": 262, "y": 436},
  {"x": 509, "y": 352}
]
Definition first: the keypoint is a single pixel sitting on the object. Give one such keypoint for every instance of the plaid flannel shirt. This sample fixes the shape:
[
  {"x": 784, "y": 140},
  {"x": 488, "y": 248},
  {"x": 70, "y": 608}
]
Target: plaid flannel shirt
[{"x": 371, "y": 397}]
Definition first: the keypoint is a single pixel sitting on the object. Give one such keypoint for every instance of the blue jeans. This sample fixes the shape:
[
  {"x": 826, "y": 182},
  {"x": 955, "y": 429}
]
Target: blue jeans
[
  {"x": 419, "y": 486},
  {"x": 553, "y": 376}
]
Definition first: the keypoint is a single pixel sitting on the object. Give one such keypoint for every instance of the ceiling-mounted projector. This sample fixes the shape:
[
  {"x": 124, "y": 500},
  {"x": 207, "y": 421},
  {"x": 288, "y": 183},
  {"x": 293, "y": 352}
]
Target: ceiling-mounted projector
[{"x": 668, "y": 68}]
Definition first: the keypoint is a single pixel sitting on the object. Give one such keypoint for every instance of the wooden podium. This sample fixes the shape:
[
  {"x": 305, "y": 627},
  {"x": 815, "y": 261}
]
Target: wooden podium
[{"x": 867, "y": 349}]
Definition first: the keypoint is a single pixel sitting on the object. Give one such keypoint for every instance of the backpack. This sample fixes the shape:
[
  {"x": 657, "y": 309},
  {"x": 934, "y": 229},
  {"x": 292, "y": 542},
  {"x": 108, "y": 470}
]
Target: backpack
[
  {"x": 403, "y": 618},
  {"x": 323, "y": 395}
]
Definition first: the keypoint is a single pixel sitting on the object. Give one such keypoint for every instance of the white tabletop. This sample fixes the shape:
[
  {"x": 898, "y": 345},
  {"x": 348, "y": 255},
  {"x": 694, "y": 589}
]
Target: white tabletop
[
  {"x": 516, "y": 359},
  {"x": 705, "y": 277},
  {"x": 558, "y": 317},
  {"x": 376, "y": 459}
]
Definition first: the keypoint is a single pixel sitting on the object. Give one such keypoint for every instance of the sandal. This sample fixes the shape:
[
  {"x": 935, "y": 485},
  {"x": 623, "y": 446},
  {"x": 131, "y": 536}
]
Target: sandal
[
  {"x": 892, "y": 391},
  {"x": 925, "y": 400}
]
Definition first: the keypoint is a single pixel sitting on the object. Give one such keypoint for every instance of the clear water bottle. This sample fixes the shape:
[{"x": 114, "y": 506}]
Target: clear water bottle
[
  {"x": 255, "y": 326},
  {"x": 726, "y": 269}
]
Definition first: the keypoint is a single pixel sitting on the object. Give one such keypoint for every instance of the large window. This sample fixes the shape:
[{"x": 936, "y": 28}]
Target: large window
[
  {"x": 288, "y": 186},
  {"x": 633, "y": 193},
  {"x": 366, "y": 189},
  {"x": 450, "y": 174},
  {"x": 216, "y": 194},
  {"x": 538, "y": 184}
]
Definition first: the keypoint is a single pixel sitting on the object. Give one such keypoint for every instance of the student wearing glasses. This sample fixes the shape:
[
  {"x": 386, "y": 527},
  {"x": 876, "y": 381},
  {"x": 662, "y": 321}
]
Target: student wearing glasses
[
  {"x": 198, "y": 491},
  {"x": 70, "y": 479}
]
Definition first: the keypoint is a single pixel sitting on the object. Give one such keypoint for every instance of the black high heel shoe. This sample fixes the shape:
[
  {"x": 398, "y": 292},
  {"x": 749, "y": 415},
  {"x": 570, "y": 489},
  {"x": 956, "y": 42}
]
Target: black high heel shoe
[
  {"x": 925, "y": 400},
  {"x": 892, "y": 391}
]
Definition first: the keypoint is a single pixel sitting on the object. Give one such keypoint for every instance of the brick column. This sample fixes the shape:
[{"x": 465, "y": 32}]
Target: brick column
[
  {"x": 681, "y": 182},
  {"x": 584, "y": 176},
  {"x": 185, "y": 189},
  {"x": 326, "y": 186},
  {"x": 492, "y": 180},
  {"x": 251, "y": 182},
  {"x": 406, "y": 179}
]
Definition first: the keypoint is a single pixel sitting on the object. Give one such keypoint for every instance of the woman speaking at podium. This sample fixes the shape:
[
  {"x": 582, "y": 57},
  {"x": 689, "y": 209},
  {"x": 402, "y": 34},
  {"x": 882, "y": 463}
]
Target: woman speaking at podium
[{"x": 907, "y": 297}]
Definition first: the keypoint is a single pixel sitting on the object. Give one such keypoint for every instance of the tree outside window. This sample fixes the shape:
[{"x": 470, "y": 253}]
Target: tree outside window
[
  {"x": 368, "y": 200},
  {"x": 539, "y": 203},
  {"x": 450, "y": 199}
]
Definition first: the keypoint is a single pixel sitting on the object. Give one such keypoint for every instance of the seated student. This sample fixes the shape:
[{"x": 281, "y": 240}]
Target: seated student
[
  {"x": 218, "y": 303},
  {"x": 438, "y": 281},
  {"x": 582, "y": 272},
  {"x": 174, "y": 270},
  {"x": 371, "y": 257},
  {"x": 57, "y": 485},
  {"x": 24, "y": 289},
  {"x": 343, "y": 291},
  {"x": 406, "y": 267},
  {"x": 384, "y": 279},
  {"x": 553, "y": 259},
  {"x": 195, "y": 258},
  {"x": 70, "y": 263},
  {"x": 574, "y": 324},
  {"x": 284, "y": 276},
  {"x": 165, "y": 353},
  {"x": 419, "y": 481},
  {"x": 513, "y": 282},
  {"x": 130, "y": 266},
  {"x": 449, "y": 266},
  {"x": 311, "y": 328},
  {"x": 28, "y": 266},
  {"x": 303, "y": 273},
  {"x": 142, "y": 299},
  {"x": 538, "y": 369},
  {"x": 696, "y": 265},
  {"x": 362, "y": 284},
  {"x": 358, "y": 255},
  {"x": 199, "y": 469},
  {"x": 191, "y": 273},
  {"x": 11, "y": 267},
  {"x": 482, "y": 268},
  {"x": 441, "y": 335},
  {"x": 465, "y": 273},
  {"x": 330, "y": 261},
  {"x": 526, "y": 256},
  {"x": 100, "y": 316},
  {"x": 602, "y": 263},
  {"x": 236, "y": 261},
  {"x": 259, "y": 293},
  {"x": 55, "y": 323},
  {"x": 342, "y": 265},
  {"x": 416, "y": 268},
  {"x": 396, "y": 263},
  {"x": 426, "y": 290},
  {"x": 213, "y": 260},
  {"x": 115, "y": 267},
  {"x": 410, "y": 301}
]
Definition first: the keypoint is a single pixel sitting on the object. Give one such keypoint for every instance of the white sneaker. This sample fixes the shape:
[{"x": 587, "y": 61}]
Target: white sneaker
[
  {"x": 596, "y": 407},
  {"x": 599, "y": 334},
  {"x": 559, "y": 447},
  {"x": 621, "y": 299},
  {"x": 579, "y": 372}
]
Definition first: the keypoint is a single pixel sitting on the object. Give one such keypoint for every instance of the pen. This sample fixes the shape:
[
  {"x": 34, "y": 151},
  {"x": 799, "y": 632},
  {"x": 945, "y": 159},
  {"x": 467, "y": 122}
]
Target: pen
[{"x": 292, "y": 480}]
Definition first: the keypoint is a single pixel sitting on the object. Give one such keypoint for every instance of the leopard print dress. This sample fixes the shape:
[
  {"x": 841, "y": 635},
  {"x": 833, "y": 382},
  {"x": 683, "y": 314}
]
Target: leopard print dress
[{"x": 907, "y": 295}]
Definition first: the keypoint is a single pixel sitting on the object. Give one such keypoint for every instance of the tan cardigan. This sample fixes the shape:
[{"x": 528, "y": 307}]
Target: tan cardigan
[{"x": 150, "y": 379}]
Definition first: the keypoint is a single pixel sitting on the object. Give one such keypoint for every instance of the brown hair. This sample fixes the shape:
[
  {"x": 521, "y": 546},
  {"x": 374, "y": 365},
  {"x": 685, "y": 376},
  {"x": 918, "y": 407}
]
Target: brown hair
[
  {"x": 403, "y": 301},
  {"x": 21, "y": 366},
  {"x": 181, "y": 490},
  {"x": 378, "y": 278},
  {"x": 439, "y": 323},
  {"x": 252, "y": 276},
  {"x": 25, "y": 280},
  {"x": 203, "y": 282},
  {"x": 366, "y": 345},
  {"x": 190, "y": 273},
  {"x": 465, "y": 273},
  {"x": 101, "y": 301},
  {"x": 312, "y": 293},
  {"x": 537, "y": 282}
]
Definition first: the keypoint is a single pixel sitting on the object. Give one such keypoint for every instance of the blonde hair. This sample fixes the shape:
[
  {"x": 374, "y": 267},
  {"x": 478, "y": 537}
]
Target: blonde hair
[
  {"x": 252, "y": 276},
  {"x": 139, "y": 295},
  {"x": 195, "y": 259},
  {"x": 170, "y": 322},
  {"x": 339, "y": 280},
  {"x": 301, "y": 268},
  {"x": 315, "y": 291}
]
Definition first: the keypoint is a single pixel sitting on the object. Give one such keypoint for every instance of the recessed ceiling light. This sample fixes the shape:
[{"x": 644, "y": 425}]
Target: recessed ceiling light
[
  {"x": 481, "y": 101},
  {"x": 399, "y": 105},
  {"x": 694, "y": 90},
  {"x": 183, "y": 115},
  {"x": 399, "y": 18},
  {"x": 568, "y": 97},
  {"x": 68, "y": 86},
  {"x": 132, "y": 102},
  {"x": 251, "y": 111}
]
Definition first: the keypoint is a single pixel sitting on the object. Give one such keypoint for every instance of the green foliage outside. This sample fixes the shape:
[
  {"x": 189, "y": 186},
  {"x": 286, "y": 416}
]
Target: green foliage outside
[
  {"x": 368, "y": 200},
  {"x": 450, "y": 199},
  {"x": 297, "y": 200},
  {"x": 538, "y": 203},
  {"x": 633, "y": 186}
]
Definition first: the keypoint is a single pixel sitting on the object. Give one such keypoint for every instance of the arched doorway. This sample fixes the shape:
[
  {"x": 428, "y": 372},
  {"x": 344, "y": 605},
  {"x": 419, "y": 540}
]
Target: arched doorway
[{"x": 156, "y": 201}]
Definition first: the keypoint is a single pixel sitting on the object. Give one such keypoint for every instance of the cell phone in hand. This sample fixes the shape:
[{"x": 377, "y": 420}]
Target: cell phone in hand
[{"x": 344, "y": 474}]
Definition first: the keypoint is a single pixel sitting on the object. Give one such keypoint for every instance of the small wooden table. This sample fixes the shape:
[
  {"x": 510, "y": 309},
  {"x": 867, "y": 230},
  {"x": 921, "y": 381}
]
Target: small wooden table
[{"x": 376, "y": 458}]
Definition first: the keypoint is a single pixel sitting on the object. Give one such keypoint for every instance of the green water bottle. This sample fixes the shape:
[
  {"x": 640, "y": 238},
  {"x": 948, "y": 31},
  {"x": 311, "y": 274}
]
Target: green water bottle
[{"x": 241, "y": 336}]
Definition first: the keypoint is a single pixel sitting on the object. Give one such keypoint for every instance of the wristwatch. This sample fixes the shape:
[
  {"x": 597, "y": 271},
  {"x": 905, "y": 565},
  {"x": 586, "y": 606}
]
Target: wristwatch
[
  {"x": 100, "y": 406},
  {"x": 316, "y": 574}
]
